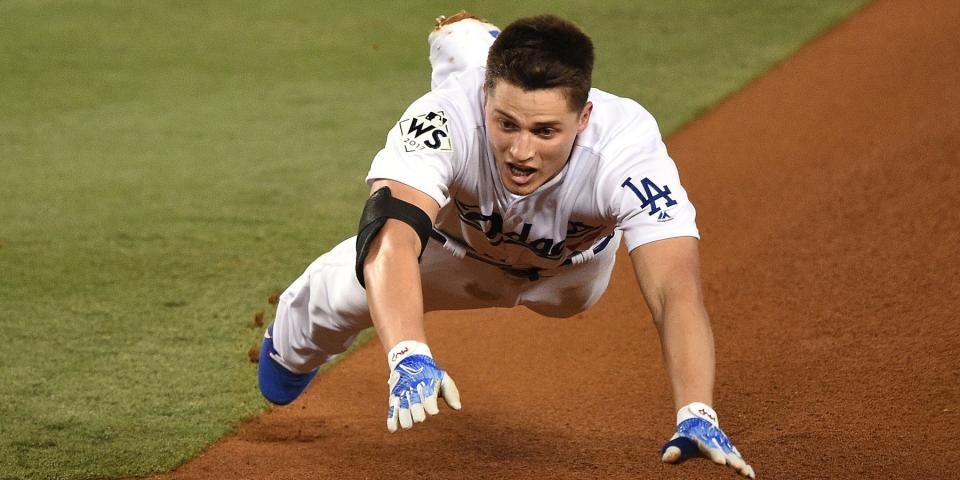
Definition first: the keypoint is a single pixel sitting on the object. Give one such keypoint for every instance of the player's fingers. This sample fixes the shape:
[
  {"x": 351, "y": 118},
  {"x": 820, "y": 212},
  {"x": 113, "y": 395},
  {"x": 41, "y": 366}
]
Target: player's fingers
[
  {"x": 417, "y": 412},
  {"x": 739, "y": 464},
  {"x": 430, "y": 401},
  {"x": 736, "y": 463},
  {"x": 430, "y": 406},
  {"x": 416, "y": 405},
  {"x": 450, "y": 393},
  {"x": 393, "y": 414},
  {"x": 715, "y": 454},
  {"x": 747, "y": 469},
  {"x": 670, "y": 455},
  {"x": 678, "y": 449},
  {"x": 406, "y": 420}
]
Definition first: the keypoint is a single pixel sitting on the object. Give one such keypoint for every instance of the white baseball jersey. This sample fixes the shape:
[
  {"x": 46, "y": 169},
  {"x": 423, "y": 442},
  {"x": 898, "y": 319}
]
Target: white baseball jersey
[{"x": 619, "y": 176}]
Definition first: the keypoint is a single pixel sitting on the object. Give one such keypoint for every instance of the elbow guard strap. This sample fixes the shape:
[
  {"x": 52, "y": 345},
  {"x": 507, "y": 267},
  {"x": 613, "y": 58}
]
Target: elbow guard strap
[{"x": 380, "y": 207}]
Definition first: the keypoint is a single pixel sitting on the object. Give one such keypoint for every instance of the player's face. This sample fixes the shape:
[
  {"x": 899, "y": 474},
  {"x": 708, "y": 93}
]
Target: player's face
[{"x": 531, "y": 134}]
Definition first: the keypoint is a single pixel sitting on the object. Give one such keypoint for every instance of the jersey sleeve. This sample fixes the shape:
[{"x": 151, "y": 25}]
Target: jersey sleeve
[
  {"x": 422, "y": 150},
  {"x": 642, "y": 185}
]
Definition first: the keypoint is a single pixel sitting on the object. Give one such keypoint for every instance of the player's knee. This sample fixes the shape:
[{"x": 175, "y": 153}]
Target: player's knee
[
  {"x": 277, "y": 383},
  {"x": 554, "y": 311},
  {"x": 571, "y": 302}
]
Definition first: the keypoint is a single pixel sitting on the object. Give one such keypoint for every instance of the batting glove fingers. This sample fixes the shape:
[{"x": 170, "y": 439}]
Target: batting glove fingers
[
  {"x": 450, "y": 392},
  {"x": 699, "y": 435},
  {"x": 415, "y": 384}
]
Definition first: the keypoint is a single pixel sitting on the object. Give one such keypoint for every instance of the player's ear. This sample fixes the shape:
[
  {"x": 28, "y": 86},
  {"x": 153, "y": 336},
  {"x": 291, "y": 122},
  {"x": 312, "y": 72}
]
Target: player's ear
[{"x": 584, "y": 117}]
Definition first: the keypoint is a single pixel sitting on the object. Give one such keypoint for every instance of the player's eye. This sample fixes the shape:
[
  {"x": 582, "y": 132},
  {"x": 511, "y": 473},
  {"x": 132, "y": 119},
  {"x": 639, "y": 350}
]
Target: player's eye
[
  {"x": 507, "y": 125},
  {"x": 545, "y": 132}
]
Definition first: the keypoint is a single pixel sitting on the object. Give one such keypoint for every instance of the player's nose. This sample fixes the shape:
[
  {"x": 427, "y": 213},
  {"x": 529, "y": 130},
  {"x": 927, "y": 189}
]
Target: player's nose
[{"x": 522, "y": 147}]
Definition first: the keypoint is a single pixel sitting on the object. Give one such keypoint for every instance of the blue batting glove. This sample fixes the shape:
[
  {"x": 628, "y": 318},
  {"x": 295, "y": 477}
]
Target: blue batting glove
[
  {"x": 415, "y": 383},
  {"x": 698, "y": 434}
]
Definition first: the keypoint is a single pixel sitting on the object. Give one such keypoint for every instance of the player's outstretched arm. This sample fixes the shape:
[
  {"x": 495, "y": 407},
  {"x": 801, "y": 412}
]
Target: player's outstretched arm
[
  {"x": 392, "y": 276},
  {"x": 669, "y": 275}
]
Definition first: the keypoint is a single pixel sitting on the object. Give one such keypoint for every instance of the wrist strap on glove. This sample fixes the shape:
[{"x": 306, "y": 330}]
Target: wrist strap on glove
[
  {"x": 697, "y": 410},
  {"x": 405, "y": 349}
]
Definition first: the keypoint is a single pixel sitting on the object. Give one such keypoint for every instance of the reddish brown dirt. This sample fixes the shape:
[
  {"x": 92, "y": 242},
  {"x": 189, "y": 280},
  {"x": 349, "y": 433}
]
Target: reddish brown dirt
[{"x": 828, "y": 194}]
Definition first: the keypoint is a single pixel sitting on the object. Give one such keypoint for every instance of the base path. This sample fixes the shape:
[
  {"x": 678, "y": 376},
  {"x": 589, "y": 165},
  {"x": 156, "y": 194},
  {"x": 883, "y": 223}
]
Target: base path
[{"x": 829, "y": 202}]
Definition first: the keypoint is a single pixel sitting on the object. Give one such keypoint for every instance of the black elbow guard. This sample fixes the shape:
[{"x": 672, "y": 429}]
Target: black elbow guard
[{"x": 380, "y": 207}]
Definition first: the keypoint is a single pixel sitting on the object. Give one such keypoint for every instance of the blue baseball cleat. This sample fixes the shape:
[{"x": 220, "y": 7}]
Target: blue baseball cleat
[{"x": 277, "y": 384}]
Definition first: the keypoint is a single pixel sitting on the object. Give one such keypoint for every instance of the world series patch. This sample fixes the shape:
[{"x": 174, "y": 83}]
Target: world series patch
[{"x": 427, "y": 131}]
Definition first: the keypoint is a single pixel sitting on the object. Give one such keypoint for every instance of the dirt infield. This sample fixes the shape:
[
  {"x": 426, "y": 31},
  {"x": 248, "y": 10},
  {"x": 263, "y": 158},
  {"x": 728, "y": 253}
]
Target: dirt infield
[{"x": 828, "y": 195}]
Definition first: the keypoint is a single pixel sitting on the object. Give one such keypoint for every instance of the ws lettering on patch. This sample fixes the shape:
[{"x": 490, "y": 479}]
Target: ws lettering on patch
[{"x": 426, "y": 132}]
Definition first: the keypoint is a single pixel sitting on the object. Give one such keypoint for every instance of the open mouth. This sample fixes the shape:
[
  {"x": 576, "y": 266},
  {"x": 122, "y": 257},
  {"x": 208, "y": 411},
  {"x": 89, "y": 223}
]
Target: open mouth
[{"x": 520, "y": 175}]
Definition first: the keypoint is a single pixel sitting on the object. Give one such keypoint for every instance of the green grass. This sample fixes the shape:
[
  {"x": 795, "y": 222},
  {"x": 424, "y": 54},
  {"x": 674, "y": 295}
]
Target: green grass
[{"x": 166, "y": 166}]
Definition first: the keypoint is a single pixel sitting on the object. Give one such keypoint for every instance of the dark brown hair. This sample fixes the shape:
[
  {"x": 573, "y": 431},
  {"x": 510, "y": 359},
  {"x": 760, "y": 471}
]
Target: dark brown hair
[{"x": 542, "y": 52}]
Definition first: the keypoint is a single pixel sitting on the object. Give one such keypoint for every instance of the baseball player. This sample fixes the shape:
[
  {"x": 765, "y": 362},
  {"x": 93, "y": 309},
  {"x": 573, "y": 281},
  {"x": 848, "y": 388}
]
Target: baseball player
[{"x": 512, "y": 182}]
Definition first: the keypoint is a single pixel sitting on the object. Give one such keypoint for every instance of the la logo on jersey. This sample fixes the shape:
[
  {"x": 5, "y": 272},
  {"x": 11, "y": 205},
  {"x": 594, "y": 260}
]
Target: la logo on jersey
[
  {"x": 427, "y": 131},
  {"x": 650, "y": 195}
]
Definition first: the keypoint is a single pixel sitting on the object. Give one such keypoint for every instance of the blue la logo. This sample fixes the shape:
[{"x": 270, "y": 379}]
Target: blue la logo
[{"x": 651, "y": 193}]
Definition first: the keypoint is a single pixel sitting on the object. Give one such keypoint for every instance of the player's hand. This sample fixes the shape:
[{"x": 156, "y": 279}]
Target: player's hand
[
  {"x": 699, "y": 435},
  {"x": 415, "y": 383}
]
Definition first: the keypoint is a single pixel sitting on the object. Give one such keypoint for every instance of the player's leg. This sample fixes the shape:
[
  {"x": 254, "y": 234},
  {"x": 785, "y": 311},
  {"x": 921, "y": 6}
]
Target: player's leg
[
  {"x": 459, "y": 43},
  {"x": 318, "y": 317},
  {"x": 574, "y": 288}
]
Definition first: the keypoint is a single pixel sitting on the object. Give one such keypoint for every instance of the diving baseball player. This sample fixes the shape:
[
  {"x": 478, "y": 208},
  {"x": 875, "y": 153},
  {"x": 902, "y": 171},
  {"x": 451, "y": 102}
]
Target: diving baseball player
[{"x": 512, "y": 182}]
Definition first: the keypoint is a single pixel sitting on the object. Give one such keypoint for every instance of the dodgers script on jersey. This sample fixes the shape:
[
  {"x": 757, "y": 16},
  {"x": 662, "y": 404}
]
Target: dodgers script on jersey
[{"x": 619, "y": 176}]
